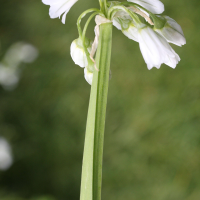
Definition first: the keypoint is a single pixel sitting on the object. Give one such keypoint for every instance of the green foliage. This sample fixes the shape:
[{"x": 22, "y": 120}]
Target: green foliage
[{"x": 152, "y": 133}]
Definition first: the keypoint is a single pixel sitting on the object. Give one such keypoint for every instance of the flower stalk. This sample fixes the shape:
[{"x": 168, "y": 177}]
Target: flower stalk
[
  {"x": 94, "y": 139},
  {"x": 139, "y": 20}
]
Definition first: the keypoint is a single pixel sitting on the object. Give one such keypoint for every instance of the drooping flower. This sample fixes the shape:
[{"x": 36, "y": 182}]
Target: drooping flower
[
  {"x": 155, "y": 49},
  {"x": 58, "y": 7},
  {"x": 129, "y": 30},
  {"x": 154, "y": 6},
  {"x": 78, "y": 53},
  {"x": 123, "y": 22},
  {"x": 172, "y": 32}
]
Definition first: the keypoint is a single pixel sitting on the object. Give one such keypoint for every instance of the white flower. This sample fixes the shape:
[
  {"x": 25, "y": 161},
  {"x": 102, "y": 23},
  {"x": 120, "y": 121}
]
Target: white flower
[
  {"x": 10, "y": 66},
  {"x": 9, "y": 77},
  {"x": 154, "y": 6},
  {"x": 155, "y": 49},
  {"x": 131, "y": 32},
  {"x": 88, "y": 76},
  {"x": 172, "y": 32},
  {"x": 78, "y": 53},
  {"x": 20, "y": 52},
  {"x": 5, "y": 155},
  {"x": 126, "y": 25},
  {"x": 58, "y": 7}
]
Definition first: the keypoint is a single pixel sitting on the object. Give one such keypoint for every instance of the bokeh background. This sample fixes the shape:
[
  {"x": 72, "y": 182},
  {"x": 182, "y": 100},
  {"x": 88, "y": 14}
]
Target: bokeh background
[{"x": 152, "y": 134}]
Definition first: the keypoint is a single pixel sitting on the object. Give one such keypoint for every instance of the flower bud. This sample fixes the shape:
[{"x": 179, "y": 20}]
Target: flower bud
[{"x": 78, "y": 53}]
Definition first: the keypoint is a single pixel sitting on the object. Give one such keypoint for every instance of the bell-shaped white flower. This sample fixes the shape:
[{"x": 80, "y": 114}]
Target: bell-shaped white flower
[
  {"x": 155, "y": 49},
  {"x": 58, "y": 7},
  {"x": 88, "y": 76},
  {"x": 172, "y": 32},
  {"x": 127, "y": 26},
  {"x": 78, "y": 53},
  {"x": 154, "y": 6}
]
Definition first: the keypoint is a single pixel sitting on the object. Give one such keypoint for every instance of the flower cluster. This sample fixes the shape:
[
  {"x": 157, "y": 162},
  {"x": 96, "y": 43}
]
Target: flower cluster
[{"x": 139, "y": 20}]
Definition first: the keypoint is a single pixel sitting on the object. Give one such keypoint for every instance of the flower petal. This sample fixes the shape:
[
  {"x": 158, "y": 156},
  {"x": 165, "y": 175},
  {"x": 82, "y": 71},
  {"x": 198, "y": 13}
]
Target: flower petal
[
  {"x": 117, "y": 24},
  {"x": 172, "y": 32},
  {"x": 155, "y": 49},
  {"x": 78, "y": 54},
  {"x": 131, "y": 33},
  {"x": 58, "y": 7},
  {"x": 88, "y": 76},
  {"x": 154, "y": 6}
]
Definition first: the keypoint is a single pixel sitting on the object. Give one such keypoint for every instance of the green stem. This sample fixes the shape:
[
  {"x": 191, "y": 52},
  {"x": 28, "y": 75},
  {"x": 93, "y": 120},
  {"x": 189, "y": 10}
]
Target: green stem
[
  {"x": 105, "y": 7},
  {"x": 87, "y": 23},
  {"x": 83, "y": 15},
  {"x": 93, "y": 149},
  {"x": 84, "y": 32},
  {"x": 103, "y": 58},
  {"x": 101, "y": 4}
]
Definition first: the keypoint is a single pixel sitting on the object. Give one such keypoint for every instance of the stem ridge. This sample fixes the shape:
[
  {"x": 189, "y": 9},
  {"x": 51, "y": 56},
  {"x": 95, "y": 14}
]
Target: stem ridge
[{"x": 94, "y": 139}]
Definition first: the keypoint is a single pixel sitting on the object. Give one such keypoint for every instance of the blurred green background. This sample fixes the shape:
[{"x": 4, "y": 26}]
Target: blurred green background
[{"x": 152, "y": 135}]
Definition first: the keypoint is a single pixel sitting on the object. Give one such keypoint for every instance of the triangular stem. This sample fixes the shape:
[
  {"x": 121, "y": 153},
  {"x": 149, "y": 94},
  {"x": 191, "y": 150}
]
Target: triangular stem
[{"x": 94, "y": 138}]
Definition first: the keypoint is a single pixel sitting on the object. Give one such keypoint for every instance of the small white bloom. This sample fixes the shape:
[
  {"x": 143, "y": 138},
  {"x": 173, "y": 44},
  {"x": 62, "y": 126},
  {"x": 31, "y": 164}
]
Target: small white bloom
[
  {"x": 78, "y": 53},
  {"x": 131, "y": 32},
  {"x": 155, "y": 49},
  {"x": 154, "y": 6},
  {"x": 9, "y": 77},
  {"x": 127, "y": 26},
  {"x": 5, "y": 155},
  {"x": 58, "y": 7},
  {"x": 88, "y": 76},
  {"x": 20, "y": 52},
  {"x": 172, "y": 32}
]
